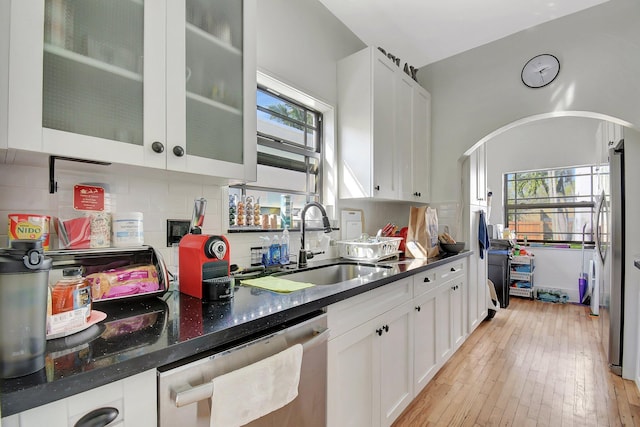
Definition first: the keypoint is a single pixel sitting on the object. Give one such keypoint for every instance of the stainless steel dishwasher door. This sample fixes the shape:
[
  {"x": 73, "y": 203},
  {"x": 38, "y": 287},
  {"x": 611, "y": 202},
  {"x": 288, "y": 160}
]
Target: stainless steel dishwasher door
[{"x": 185, "y": 392}]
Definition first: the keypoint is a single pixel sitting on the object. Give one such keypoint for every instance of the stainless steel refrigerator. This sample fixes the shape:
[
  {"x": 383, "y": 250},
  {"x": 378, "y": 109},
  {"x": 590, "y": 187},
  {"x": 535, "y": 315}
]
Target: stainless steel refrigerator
[{"x": 610, "y": 245}]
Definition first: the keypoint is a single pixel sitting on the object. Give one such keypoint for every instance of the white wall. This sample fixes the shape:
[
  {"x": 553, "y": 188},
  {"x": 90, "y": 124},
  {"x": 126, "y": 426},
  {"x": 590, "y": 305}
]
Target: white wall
[
  {"x": 479, "y": 91},
  {"x": 300, "y": 42},
  {"x": 560, "y": 269},
  {"x": 550, "y": 143}
]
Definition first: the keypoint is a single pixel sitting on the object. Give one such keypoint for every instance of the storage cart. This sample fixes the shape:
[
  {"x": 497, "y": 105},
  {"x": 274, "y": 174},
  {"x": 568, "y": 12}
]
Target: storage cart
[{"x": 521, "y": 277}]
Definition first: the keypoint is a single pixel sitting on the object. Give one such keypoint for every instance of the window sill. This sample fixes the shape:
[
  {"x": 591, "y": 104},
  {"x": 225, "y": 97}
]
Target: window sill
[{"x": 274, "y": 230}]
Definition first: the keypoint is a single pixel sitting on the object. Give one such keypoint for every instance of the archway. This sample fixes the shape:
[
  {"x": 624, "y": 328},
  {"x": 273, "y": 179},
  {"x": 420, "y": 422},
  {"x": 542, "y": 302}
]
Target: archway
[
  {"x": 544, "y": 116},
  {"x": 631, "y": 134}
]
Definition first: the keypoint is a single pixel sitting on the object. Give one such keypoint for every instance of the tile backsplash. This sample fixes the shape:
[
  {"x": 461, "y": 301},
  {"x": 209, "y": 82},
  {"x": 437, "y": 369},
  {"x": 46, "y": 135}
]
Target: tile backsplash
[{"x": 159, "y": 195}]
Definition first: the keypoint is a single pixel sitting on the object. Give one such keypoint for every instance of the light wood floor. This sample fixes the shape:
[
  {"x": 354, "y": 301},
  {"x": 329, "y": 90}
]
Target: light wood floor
[{"x": 533, "y": 364}]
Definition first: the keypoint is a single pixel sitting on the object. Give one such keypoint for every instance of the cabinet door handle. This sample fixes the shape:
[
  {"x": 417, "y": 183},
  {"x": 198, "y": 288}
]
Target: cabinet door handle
[
  {"x": 377, "y": 188},
  {"x": 418, "y": 308},
  {"x": 178, "y": 151},
  {"x": 386, "y": 328},
  {"x": 453, "y": 270},
  {"x": 379, "y": 331},
  {"x": 157, "y": 147},
  {"x": 98, "y": 417},
  {"x": 426, "y": 280}
]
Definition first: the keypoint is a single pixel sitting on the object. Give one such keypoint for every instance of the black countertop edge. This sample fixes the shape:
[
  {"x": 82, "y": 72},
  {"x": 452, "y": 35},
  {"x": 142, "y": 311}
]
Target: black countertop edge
[
  {"x": 34, "y": 390},
  {"x": 44, "y": 393}
]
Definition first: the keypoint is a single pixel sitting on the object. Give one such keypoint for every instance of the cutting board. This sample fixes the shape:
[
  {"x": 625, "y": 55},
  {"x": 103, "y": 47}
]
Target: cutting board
[{"x": 351, "y": 223}]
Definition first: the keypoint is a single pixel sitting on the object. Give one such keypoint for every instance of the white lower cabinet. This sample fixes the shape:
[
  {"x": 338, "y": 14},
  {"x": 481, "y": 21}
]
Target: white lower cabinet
[
  {"x": 388, "y": 343},
  {"x": 457, "y": 305},
  {"x": 396, "y": 363},
  {"x": 450, "y": 311},
  {"x": 439, "y": 319},
  {"x": 134, "y": 399},
  {"x": 371, "y": 370},
  {"x": 444, "y": 343},
  {"x": 425, "y": 327},
  {"x": 370, "y": 357}
]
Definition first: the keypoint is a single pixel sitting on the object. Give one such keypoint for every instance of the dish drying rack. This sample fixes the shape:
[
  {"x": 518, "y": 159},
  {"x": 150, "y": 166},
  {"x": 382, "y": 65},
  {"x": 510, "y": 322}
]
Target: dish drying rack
[{"x": 370, "y": 250}]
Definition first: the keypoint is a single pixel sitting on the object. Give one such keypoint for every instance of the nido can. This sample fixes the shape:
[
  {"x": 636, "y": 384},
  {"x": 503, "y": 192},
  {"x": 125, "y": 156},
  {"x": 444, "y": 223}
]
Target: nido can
[{"x": 29, "y": 227}]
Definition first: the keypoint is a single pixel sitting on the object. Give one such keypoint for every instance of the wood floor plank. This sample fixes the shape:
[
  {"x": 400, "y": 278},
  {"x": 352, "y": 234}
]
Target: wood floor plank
[{"x": 533, "y": 364}]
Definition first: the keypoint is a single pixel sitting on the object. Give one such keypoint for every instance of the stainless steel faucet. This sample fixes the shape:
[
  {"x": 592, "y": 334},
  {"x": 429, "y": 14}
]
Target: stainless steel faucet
[{"x": 304, "y": 254}]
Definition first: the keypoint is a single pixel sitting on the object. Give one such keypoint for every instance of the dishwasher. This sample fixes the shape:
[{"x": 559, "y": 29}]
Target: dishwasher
[{"x": 185, "y": 389}]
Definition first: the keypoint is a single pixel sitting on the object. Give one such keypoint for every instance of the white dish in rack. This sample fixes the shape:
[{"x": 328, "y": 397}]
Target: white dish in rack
[{"x": 371, "y": 250}]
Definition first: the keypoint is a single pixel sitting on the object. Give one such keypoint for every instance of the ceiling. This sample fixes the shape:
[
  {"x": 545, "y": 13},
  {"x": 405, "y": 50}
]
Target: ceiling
[{"x": 424, "y": 31}]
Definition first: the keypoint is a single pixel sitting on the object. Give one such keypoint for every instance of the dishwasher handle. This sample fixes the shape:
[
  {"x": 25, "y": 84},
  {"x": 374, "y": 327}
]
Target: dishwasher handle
[{"x": 205, "y": 391}]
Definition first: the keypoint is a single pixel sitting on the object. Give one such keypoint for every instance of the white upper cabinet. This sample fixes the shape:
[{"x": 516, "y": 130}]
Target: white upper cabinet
[
  {"x": 384, "y": 178},
  {"x": 383, "y": 130},
  {"x": 421, "y": 146},
  {"x": 607, "y": 135},
  {"x": 403, "y": 136},
  {"x": 161, "y": 84},
  {"x": 478, "y": 176}
]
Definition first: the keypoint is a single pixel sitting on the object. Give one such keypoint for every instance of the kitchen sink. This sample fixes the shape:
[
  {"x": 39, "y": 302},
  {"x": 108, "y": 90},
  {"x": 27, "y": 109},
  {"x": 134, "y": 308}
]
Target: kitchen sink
[{"x": 336, "y": 273}]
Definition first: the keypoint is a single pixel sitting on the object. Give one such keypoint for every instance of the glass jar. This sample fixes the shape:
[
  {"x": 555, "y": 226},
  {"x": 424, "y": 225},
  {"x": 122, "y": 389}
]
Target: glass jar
[{"x": 72, "y": 292}]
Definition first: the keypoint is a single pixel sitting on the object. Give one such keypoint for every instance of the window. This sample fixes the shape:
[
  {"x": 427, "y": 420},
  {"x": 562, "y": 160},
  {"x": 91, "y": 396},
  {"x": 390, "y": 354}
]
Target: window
[
  {"x": 289, "y": 161},
  {"x": 553, "y": 205}
]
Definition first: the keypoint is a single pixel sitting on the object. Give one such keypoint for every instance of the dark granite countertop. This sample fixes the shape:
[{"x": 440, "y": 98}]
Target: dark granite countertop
[{"x": 154, "y": 332}]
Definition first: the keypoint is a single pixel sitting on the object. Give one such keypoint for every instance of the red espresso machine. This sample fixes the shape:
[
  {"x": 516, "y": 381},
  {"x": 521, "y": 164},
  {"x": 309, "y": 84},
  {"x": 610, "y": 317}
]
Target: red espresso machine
[{"x": 204, "y": 264}]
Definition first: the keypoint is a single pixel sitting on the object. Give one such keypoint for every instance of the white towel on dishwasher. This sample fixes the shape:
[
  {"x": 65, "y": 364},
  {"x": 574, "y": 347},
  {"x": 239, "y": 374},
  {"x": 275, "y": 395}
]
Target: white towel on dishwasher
[{"x": 249, "y": 393}]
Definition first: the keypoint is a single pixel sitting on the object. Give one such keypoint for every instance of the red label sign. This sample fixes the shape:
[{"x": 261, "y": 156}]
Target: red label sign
[{"x": 88, "y": 198}]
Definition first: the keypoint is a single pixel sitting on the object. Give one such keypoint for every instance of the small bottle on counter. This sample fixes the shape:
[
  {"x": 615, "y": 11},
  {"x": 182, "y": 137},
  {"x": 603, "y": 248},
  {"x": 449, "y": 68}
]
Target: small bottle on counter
[
  {"x": 265, "y": 250},
  {"x": 284, "y": 247},
  {"x": 285, "y": 210},
  {"x": 72, "y": 292},
  {"x": 274, "y": 251}
]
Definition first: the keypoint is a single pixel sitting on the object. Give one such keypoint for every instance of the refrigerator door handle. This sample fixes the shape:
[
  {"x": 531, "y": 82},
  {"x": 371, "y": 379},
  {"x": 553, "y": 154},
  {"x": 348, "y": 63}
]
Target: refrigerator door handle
[{"x": 602, "y": 250}]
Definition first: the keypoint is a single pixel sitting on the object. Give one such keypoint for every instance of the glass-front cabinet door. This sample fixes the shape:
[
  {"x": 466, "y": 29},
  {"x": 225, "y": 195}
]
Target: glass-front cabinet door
[
  {"x": 93, "y": 63},
  {"x": 211, "y": 79},
  {"x": 93, "y": 77},
  {"x": 80, "y": 75},
  {"x": 166, "y": 84}
]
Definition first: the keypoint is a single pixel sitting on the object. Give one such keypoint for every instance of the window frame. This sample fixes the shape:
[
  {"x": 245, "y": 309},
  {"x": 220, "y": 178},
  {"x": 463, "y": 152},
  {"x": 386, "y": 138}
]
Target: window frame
[
  {"x": 516, "y": 209},
  {"x": 314, "y": 181}
]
